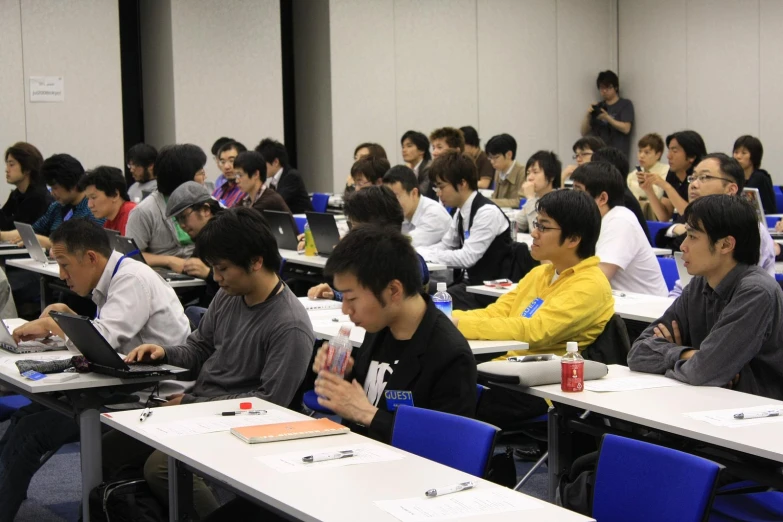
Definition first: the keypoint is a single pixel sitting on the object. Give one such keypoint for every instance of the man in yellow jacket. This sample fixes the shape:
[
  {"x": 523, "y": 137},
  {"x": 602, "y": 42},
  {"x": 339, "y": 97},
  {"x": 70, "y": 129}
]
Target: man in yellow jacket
[{"x": 567, "y": 299}]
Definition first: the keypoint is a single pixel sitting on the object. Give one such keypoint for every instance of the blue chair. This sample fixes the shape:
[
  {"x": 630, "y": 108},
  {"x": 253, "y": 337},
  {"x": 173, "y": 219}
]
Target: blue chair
[
  {"x": 654, "y": 227},
  {"x": 643, "y": 482},
  {"x": 454, "y": 441},
  {"x": 300, "y": 224},
  {"x": 310, "y": 399},
  {"x": 320, "y": 202},
  {"x": 760, "y": 506},
  {"x": 778, "y": 197},
  {"x": 669, "y": 270},
  {"x": 773, "y": 220},
  {"x": 9, "y": 404}
]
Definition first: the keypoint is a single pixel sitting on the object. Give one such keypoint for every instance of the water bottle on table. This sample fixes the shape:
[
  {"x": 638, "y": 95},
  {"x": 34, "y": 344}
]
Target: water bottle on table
[
  {"x": 442, "y": 300},
  {"x": 572, "y": 369}
]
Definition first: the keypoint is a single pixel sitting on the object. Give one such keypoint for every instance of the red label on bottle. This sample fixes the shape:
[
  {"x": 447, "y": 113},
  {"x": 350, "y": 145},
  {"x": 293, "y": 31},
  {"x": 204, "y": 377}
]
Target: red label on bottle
[{"x": 572, "y": 376}]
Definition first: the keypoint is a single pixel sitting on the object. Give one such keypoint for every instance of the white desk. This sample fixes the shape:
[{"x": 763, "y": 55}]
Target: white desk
[
  {"x": 524, "y": 237},
  {"x": 326, "y": 325},
  {"x": 8, "y": 250},
  {"x": 342, "y": 494},
  {"x": 294, "y": 257}
]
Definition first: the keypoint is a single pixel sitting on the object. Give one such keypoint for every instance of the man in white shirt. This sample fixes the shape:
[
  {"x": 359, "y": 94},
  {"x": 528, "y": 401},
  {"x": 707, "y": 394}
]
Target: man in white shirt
[
  {"x": 626, "y": 256},
  {"x": 479, "y": 239},
  {"x": 135, "y": 306},
  {"x": 426, "y": 220}
]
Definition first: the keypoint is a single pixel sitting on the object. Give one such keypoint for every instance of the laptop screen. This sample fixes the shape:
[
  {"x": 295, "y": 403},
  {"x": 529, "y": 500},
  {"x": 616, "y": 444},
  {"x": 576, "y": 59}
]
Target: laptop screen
[{"x": 89, "y": 340}]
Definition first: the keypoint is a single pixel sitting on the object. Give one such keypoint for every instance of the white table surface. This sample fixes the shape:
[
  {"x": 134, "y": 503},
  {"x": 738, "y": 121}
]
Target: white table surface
[
  {"x": 338, "y": 494},
  {"x": 292, "y": 256},
  {"x": 6, "y": 250},
  {"x": 326, "y": 328},
  {"x": 524, "y": 237}
]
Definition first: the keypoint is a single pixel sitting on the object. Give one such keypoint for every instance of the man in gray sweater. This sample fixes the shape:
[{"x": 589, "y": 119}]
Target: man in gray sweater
[
  {"x": 254, "y": 341},
  {"x": 726, "y": 329}
]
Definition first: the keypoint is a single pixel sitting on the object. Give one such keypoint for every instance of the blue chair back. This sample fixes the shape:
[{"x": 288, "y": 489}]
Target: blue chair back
[
  {"x": 461, "y": 443},
  {"x": 643, "y": 482},
  {"x": 320, "y": 201},
  {"x": 759, "y": 506},
  {"x": 778, "y": 197},
  {"x": 669, "y": 269},
  {"x": 310, "y": 399},
  {"x": 654, "y": 227},
  {"x": 9, "y": 404},
  {"x": 773, "y": 220},
  {"x": 300, "y": 223}
]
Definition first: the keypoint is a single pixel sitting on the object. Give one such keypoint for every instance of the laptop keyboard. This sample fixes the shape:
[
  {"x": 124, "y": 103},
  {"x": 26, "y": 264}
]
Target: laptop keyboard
[{"x": 145, "y": 368}]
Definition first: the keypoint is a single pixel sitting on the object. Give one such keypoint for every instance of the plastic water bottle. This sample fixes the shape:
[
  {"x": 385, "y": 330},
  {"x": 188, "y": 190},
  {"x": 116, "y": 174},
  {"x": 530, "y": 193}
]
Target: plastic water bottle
[
  {"x": 442, "y": 300},
  {"x": 572, "y": 369},
  {"x": 310, "y": 249},
  {"x": 338, "y": 351}
]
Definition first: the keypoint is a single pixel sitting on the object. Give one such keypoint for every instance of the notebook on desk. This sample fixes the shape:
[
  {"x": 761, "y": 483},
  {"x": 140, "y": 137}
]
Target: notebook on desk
[
  {"x": 8, "y": 344},
  {"x": 289, "y": 430}
]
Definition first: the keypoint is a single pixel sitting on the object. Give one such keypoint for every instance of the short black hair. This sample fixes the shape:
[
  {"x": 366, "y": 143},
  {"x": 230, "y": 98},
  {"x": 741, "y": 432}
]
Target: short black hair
[
  {"x": 420, "y": 140},
  {"x": 720, "y": 216},
  {"x": 402, "y": 174},
  {"x": 371, "y": 167},
  {"x": 375, "y": 205},
  {"x": 608, "y": 78},
  {"x": 577, "y": 215},
  {"x": 613, "y": 156},
  {"x": 754, "y": 146},
  {"x": 177, "y": 164},
  {"x": 29, "y": 159},
  {"x": 549, "y": 163},
  {"x": 471, "y": 136},
  {"x": 594, "y": 143},
  {"x": 231, "y": 145},
  {"x": 375, "y": 149},
  {"x": 63, "y": 170},
  {"x": 219, "y": 143},
  {"x": 601, "y": 176},
  {"x": 212, "y": 204},
  {"x": 142, "y": 155},
  {"x": 453, "y": 167},
  {"x": 80, "y": 235},
  {"x": 251, "y": 161},
  {"x": 109, "y": 180},
  {"x": 729, "y": 167},
  {"x": 501, "y": 144},
  {"x": 376, "y": 256},
  {"x": 692, "y": 144},
  {"x": 240, "y": 236},
  {"x": 273, "y": 150}
]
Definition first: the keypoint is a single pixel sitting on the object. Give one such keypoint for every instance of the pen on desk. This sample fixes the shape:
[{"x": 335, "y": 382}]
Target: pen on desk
[
  {"x": 145, "y": 414},
  {"x": 320, "y": 457},
  {"x": 450, "y": 489},
  {"x": 756, "y": 414},
  {"x": 618, "y": 294},
  {"x": 242, "y": 412}
]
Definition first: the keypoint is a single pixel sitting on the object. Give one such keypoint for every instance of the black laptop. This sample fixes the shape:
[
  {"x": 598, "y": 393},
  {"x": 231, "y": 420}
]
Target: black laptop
[
  {"x": 127, "y": 246},
  {"x": 94, "y": 347},
  {"x": 283, "y": 228},
  {"x": 325, "y": 233}
]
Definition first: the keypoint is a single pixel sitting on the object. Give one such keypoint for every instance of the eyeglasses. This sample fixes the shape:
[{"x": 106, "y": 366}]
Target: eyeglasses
[
  {"x": 227, "y": 161},
  {"x": 494, "y": 157},
  {"x": 182, "y": 218},
  {"x": 131, "y": 166},
  {"x": 701, "y": 178},
  {"x": 361, "y": 184},
  {"x": 541, "y": 228},
  {"x": 582, "y": 155}
]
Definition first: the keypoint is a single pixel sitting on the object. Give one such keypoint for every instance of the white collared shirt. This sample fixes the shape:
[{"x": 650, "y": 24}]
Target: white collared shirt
[
  {"x": 416, "y": 168},
  {"x": 136, "y": 306},
  {"x": 429, "y": 223},
  {"x": 488, "y": 223},
  {"x": 504, "y": 175},
  {"x": 276, "y": 178}
]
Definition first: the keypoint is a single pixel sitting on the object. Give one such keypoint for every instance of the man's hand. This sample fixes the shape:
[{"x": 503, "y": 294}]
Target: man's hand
[
  {"x": 679, "y": 229},
  {"x": 195, "y": 267},
  {"x": 175, "y": 264},
  {"x": 38, "y": 329},
  {"x": 528, "y": 189},
  {"x": 687, "y": 354},
  {"x": 673, "y": 337},
  {"x": 301, "y": 242},
  {"x": 733, "y": 383},
  {"x": 779, "y": 226},
  {"x": 12, "y": 236},
  {"x": 455, "y": 320},
  {"x": 320, "y": 360},
  {"x": 566, "y": 174},
  {"x": 346, "y": 399},
  {"x": 322, "y": 291},
  {"x": 146, "y": 352},
  {"x": 174, "y": 400},
  {"x": 56, "y": 307},
  {"x": 654, "y": 179},
  {"x": 604, "y": 116}
]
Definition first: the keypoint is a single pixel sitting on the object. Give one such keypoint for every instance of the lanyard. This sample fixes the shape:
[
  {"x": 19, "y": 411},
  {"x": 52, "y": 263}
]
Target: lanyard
[
  {"x": 68, "y": 216},
  {"x": 114, "y": 272},
  {"x": 275, "y": 289}
]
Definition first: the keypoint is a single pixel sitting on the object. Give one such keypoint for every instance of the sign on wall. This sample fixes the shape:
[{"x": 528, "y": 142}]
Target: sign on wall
[{"x": 47, "y": 89}]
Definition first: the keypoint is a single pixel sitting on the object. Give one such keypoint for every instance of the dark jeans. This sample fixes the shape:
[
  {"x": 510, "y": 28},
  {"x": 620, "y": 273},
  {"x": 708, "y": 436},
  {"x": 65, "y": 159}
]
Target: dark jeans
[{"x": 34, "y": 431}]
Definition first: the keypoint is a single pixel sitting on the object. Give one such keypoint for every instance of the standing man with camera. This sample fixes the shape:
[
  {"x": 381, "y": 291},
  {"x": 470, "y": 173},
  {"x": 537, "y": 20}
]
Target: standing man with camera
[{"x": 611, "y": 119}]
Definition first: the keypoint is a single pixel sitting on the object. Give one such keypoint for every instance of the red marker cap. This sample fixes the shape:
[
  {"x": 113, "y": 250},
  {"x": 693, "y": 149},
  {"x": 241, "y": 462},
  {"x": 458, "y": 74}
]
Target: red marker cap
[{"x": 245, "y": 405}]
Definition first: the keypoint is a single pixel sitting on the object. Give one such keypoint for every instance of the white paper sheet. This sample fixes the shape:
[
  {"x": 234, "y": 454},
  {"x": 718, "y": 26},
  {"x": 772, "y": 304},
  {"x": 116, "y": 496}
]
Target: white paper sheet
[
  {"x": 363, "y": 454},
  {"x": 726, "y": 417},
  {"x": 458, "y": 505},
  {"x": 320, "y": 304},
  {"x": 631, "y": 383},
  {"x": 211, "y": 424}
]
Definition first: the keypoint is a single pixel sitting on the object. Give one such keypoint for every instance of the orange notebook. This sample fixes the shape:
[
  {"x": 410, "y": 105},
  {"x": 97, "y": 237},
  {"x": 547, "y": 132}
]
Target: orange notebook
[{"x": 289, "y": 430}]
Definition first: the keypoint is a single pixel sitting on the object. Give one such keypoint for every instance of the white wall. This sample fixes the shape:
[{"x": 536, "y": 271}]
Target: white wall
[{"x": 713, "y": 66}]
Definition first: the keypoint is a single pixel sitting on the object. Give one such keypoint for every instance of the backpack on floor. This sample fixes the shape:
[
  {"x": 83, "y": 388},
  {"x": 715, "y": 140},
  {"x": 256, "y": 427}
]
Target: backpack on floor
[{"x": 125, "y": 501}]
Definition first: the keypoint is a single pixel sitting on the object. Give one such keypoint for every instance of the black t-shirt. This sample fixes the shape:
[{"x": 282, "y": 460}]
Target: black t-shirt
[
  {"x": 382, "y": 366},
  {"x": 680, "y": 186},
  {"x": 760, "y": 179},
  {"x": 25, "y": 207},
  {"x": 632, "y": 204},
  {"x": 622, "y": 110}
]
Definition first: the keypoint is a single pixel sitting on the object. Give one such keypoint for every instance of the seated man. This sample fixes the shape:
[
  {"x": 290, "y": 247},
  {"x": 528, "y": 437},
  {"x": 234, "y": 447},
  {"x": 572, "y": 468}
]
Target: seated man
[
  {"x": 626, "y": 256},
  {"x": 426, "y": 220},
  {"x": 568, "y": 299},
  {"x": 726, "y": 329},
  {"x": 29, "y": 199},
  {"x": 368, "y": 171},
  {"x": 543, "y": 176},
  {"x": 443, "y": 140},
  {"x": 215, "y": 149},
  {"x": 479, "y": 238},
  {"x": 254, "y": 341},
  {"x": 229, "y": 193},
  {"x": 141, "y": 164},
  {"x": 107, "y": 197},
  {"x": 248, "y": 167},
  {"x": 135, "y": 306},
  {"x": 286, "y": 180},
  {"x": 509, "y": 175},
  {"x": 486, "y": 172},
  {"x": 583, "y": 151},
  {"x": 748, "y": 151},
  {"x": 648, "y": 160},
  {"x": 416, "y": 155}
]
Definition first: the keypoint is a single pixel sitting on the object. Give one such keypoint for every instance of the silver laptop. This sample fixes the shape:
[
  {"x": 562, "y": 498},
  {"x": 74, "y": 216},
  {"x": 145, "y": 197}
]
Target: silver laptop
[
  {"x": 46, "y": 345},
  {"x": 34, "y": 248},
  {"x": 685, "y": 277},
  {"x": 752, "y": 195}
]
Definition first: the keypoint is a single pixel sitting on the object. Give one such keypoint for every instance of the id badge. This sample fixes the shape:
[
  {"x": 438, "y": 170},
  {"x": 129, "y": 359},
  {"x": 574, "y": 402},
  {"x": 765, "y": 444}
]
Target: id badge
[
  {"x": 33, "y": 375},
  {"x": 395, "y": 398},
  {"x": 466, "y": 234},
  {"x": 532, "y": 308}
]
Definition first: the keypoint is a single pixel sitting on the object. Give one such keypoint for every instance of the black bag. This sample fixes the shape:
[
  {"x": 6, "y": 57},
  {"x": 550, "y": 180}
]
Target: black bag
[
  {"x": 575, "y": 491},
  {"x": 502, "y": 469},
  {"x": 125, "y": 501}
]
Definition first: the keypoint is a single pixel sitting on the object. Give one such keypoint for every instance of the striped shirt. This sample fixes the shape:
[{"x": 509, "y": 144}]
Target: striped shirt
[{"x": 57, "y": 213}]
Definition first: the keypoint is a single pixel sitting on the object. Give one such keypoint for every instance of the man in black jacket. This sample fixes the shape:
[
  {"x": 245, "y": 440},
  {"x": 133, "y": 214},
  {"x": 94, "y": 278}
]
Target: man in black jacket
[
  {"x": 412, "y": 353},
  {"x": 280, "y": 176},
  {"x": 30, "y": 199}
]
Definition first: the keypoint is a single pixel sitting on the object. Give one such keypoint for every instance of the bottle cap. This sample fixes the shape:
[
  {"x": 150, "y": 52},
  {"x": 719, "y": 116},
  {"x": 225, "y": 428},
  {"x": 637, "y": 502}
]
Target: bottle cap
[
  {"x": 245, "y": 405},
  {"x": 572, "y": 347},
  {"x": 441, "y": 287}
]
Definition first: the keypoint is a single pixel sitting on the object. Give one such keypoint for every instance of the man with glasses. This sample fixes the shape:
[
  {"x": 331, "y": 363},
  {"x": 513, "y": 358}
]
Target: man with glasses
[
  {"x": 368, "y": 171},
  {"x": 611, "y": 119},
  {"x": 583, "y": 153},
  {"x": 141, "y": 162},
  {"x": 229, "y": 194},
  {"x": 509, "y": 175}
]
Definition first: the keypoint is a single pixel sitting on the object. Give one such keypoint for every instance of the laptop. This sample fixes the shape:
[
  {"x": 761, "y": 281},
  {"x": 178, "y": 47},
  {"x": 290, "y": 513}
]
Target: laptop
[
  {"x": 325, "y": 233},
  {"x": 94, "y": 347},
  {"x": 127, "y": 246},
  {"x": 282, "y": 227},
  {"x": 34, "y": 248},
  {"x": 685, "y": 277},
  {"x": 8, "y": 344},
  {"x": 752, "y": 195},
  {"x": 111, "y": 234}
]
